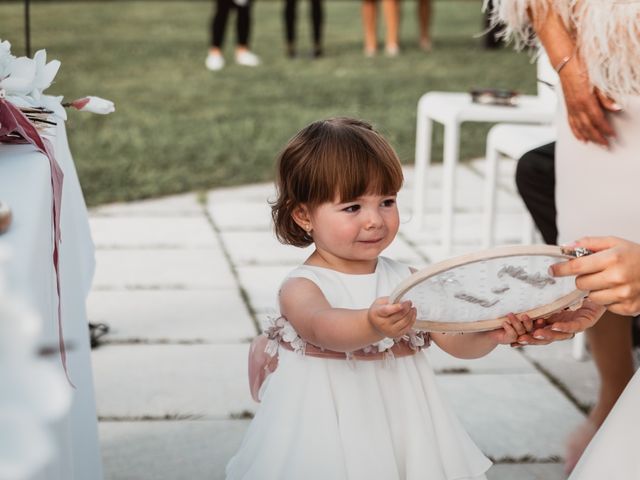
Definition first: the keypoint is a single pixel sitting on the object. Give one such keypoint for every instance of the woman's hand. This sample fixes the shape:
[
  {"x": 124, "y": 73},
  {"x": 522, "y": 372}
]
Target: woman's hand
[
  {"x": 563, "y": 325},
  {"x": 391, "y": 320},
  {"x": 586, "y": 105},
  {"x": 612, "y": 274}
]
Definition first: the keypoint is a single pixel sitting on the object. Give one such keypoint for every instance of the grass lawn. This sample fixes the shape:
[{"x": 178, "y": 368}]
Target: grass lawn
[{"x": 178, "y": 127}]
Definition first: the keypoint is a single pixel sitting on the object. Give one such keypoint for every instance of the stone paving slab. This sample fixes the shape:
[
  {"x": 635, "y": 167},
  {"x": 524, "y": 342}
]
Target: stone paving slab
[
  {"x": 185, "y": 204},
  {"x": 579, "y": 377},
  {"x": 512, "y": 416},
  {"x": 172, "y": 315},
  {"x": 241, "y": 215},
  {"x": 254, "y": 193},
  {"x": 252, "y": 248},
  {"x": 196, "y": 268},
  {"x": 262, "y": 284},
  {"x": 152, "y": 232},
  {"x": 527, "y": 471},
  {"x": 502, "y": 359},
  {"x": 170, "y": 450},
  {"x": 200, "y": 450},
  {"x": 468, "y": 228},
  {"x": 205, "y": 381}
]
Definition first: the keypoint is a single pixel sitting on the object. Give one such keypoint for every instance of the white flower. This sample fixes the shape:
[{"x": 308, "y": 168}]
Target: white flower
[
  {"x": 5, "y": 58},
  {"x": 289, "y": 333},
  {"x": 24, "y": 80},
  {"x": 94, "y": 105},
  {"x": 385, "y": 344}
]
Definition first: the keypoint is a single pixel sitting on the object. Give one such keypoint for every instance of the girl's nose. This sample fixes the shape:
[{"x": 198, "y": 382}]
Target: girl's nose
[{"x": 374, "y": 219}]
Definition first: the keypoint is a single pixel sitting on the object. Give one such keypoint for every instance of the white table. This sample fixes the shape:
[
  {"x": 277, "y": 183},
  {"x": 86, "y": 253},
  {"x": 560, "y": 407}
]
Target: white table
[
  {"x": 25, "y": 184},
  {"x": 452, "y": 109}
]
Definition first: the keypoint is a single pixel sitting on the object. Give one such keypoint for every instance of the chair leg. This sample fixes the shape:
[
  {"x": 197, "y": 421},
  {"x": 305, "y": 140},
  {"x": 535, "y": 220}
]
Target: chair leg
[
  {"x": 422, "y": 162},
  {"x": 578, "y": 349},
  {"x": 490, "y": 186},
  {"x": 451, "y": 152}
]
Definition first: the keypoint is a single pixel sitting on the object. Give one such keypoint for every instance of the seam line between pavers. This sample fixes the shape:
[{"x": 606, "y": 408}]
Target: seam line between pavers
[{"x": 232, "y": 267}]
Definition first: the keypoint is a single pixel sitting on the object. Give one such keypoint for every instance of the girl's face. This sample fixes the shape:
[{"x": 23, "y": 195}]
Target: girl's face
[{"x": 349, "y": 236}]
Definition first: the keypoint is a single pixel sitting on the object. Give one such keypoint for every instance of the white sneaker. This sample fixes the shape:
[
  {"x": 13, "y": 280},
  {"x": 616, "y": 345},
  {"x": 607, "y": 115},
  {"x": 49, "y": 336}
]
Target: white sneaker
[
  {"x": 214, "y": 62},
  {"x": 247, "y": 58}
]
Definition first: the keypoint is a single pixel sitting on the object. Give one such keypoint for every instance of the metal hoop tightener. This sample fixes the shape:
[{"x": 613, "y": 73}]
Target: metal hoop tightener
[{"x": 576, "y": 252}]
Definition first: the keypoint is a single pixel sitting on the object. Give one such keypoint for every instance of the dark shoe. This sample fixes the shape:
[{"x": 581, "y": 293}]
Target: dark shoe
[
  {"x": 96, "y": 331},
  {"x": 317, "y": 52},
  {"x": 291, "y": 50}
]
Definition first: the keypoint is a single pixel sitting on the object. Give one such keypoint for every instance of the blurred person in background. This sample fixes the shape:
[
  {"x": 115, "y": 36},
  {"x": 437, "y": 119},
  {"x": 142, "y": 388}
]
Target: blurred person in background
[
  {"x": 317, "y": 20},
  {"x": 243, "y": 56},
  {"x": 391, "y": 12}
]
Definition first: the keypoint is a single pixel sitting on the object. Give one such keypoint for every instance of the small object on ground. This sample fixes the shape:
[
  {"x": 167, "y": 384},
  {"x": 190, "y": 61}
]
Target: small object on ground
[
  {"x": 494, "y": 96},
  {"x": 97, "y": 331},
  {"x": 5, "y": 217}
]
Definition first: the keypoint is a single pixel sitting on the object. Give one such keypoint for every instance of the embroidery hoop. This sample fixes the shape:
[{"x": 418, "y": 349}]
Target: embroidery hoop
[{"x": 502, "y": 280}]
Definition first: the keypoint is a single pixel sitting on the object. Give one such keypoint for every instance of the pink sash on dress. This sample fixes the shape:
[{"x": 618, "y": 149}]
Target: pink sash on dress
[{"x": 263, "y": 358}]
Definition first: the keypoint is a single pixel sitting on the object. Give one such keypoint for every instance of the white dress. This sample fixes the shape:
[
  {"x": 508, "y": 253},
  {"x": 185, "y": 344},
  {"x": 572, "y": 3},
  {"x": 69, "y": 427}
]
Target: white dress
[
  {"x": 333, "y": 419},
  {"x": 597, "y": 188},
  {"x": 613, "y": 453}
]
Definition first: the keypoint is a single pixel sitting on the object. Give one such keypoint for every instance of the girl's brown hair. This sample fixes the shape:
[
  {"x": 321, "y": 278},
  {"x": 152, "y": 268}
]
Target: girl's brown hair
[{"x": 334, "y": 159}]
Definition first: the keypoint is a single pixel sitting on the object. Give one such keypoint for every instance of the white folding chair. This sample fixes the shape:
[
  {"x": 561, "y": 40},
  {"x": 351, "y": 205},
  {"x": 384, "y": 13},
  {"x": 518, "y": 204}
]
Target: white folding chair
[{"x": 452, "y": 109}]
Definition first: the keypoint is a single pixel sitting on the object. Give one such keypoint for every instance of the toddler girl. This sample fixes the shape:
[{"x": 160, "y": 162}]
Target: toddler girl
[{"x": 353, "y": 397}]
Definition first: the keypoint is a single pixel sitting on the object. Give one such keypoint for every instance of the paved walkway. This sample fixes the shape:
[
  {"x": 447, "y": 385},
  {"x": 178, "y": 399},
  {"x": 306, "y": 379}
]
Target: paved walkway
[{"x": 183, "y": 283}]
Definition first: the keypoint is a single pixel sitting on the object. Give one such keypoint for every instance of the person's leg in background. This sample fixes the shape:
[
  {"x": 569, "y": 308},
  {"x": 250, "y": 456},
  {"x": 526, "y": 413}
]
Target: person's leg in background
[
  {"x": 244, "y": 56},
  {"x": 424, "y": 24},
  {"x": 370, "y": 27},
  {"x": 290, "y": 26},
  {"x": 317, "y": 23},
  {"x": 215, "y": 60},
  {"x": 610, "y": 340},
  {"x": 391, "y": 10},
  {"x": 536, "y": 182}
]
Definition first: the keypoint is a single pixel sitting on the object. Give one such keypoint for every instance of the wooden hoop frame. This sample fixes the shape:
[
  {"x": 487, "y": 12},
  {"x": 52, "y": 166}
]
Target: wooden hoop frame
[{"x": 571, "y": 300}]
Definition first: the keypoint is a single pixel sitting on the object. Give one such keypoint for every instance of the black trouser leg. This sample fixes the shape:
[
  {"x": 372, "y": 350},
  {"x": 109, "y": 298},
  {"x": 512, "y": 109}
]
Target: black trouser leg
[
  {"x": 536, "y": 181},
  {"x": 317, "y": 20},
  {"x": 219, "y": 22},
  {"x": 243, "y": 24},
  {"x": 290, "y": 20}
]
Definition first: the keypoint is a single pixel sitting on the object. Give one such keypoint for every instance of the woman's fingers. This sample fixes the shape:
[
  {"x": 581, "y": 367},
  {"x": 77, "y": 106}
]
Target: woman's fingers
[{"x": 606, "y": 102}]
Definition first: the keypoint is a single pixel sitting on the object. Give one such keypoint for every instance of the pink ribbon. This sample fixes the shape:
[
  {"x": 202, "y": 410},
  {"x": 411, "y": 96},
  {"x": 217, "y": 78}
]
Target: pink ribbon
[
  {"x": 262, "y": 363},
  {"x": 13, "y": 122}
]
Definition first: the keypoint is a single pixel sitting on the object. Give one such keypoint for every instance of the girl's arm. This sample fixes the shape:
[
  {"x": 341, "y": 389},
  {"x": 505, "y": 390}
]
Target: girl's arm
[
  {"x": 476, "y": 345},
  {"x": 340, "y": 329}
]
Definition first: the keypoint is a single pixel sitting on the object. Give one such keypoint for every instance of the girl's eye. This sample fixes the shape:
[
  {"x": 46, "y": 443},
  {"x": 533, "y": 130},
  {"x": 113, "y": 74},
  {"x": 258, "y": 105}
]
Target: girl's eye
[
  {"x": 351, "y": 208},
  {"x": 389, "y": 202}
]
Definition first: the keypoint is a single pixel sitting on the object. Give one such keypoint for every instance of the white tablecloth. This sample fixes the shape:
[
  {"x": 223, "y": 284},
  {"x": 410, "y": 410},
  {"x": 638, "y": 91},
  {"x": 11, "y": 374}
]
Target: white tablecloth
[{"x": 25, "y": 184}]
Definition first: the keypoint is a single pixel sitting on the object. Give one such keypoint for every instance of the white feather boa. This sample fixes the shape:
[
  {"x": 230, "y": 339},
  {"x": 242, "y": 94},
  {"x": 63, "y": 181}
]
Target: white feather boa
[{"x": 607, "y": 34}]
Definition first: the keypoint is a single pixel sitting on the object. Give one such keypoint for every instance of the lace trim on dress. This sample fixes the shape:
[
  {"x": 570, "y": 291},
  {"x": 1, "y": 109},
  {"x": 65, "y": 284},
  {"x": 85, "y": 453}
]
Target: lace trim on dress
[{"x": 278, "y": 332}]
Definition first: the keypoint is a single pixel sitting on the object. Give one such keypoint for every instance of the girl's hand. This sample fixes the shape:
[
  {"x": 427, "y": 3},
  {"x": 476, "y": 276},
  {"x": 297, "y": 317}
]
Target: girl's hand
[
  {"x": 562, "y": 325},
  {"x": 612, "y": 274},
  {"x": 585, "y": 105},
  {"x": 391, "y": 320},
  {"x": 511, "y": 330}
]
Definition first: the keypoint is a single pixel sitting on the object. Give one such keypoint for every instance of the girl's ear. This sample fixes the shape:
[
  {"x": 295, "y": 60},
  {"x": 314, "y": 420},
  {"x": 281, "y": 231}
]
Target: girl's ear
[{"x": 302, "y": 217}]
